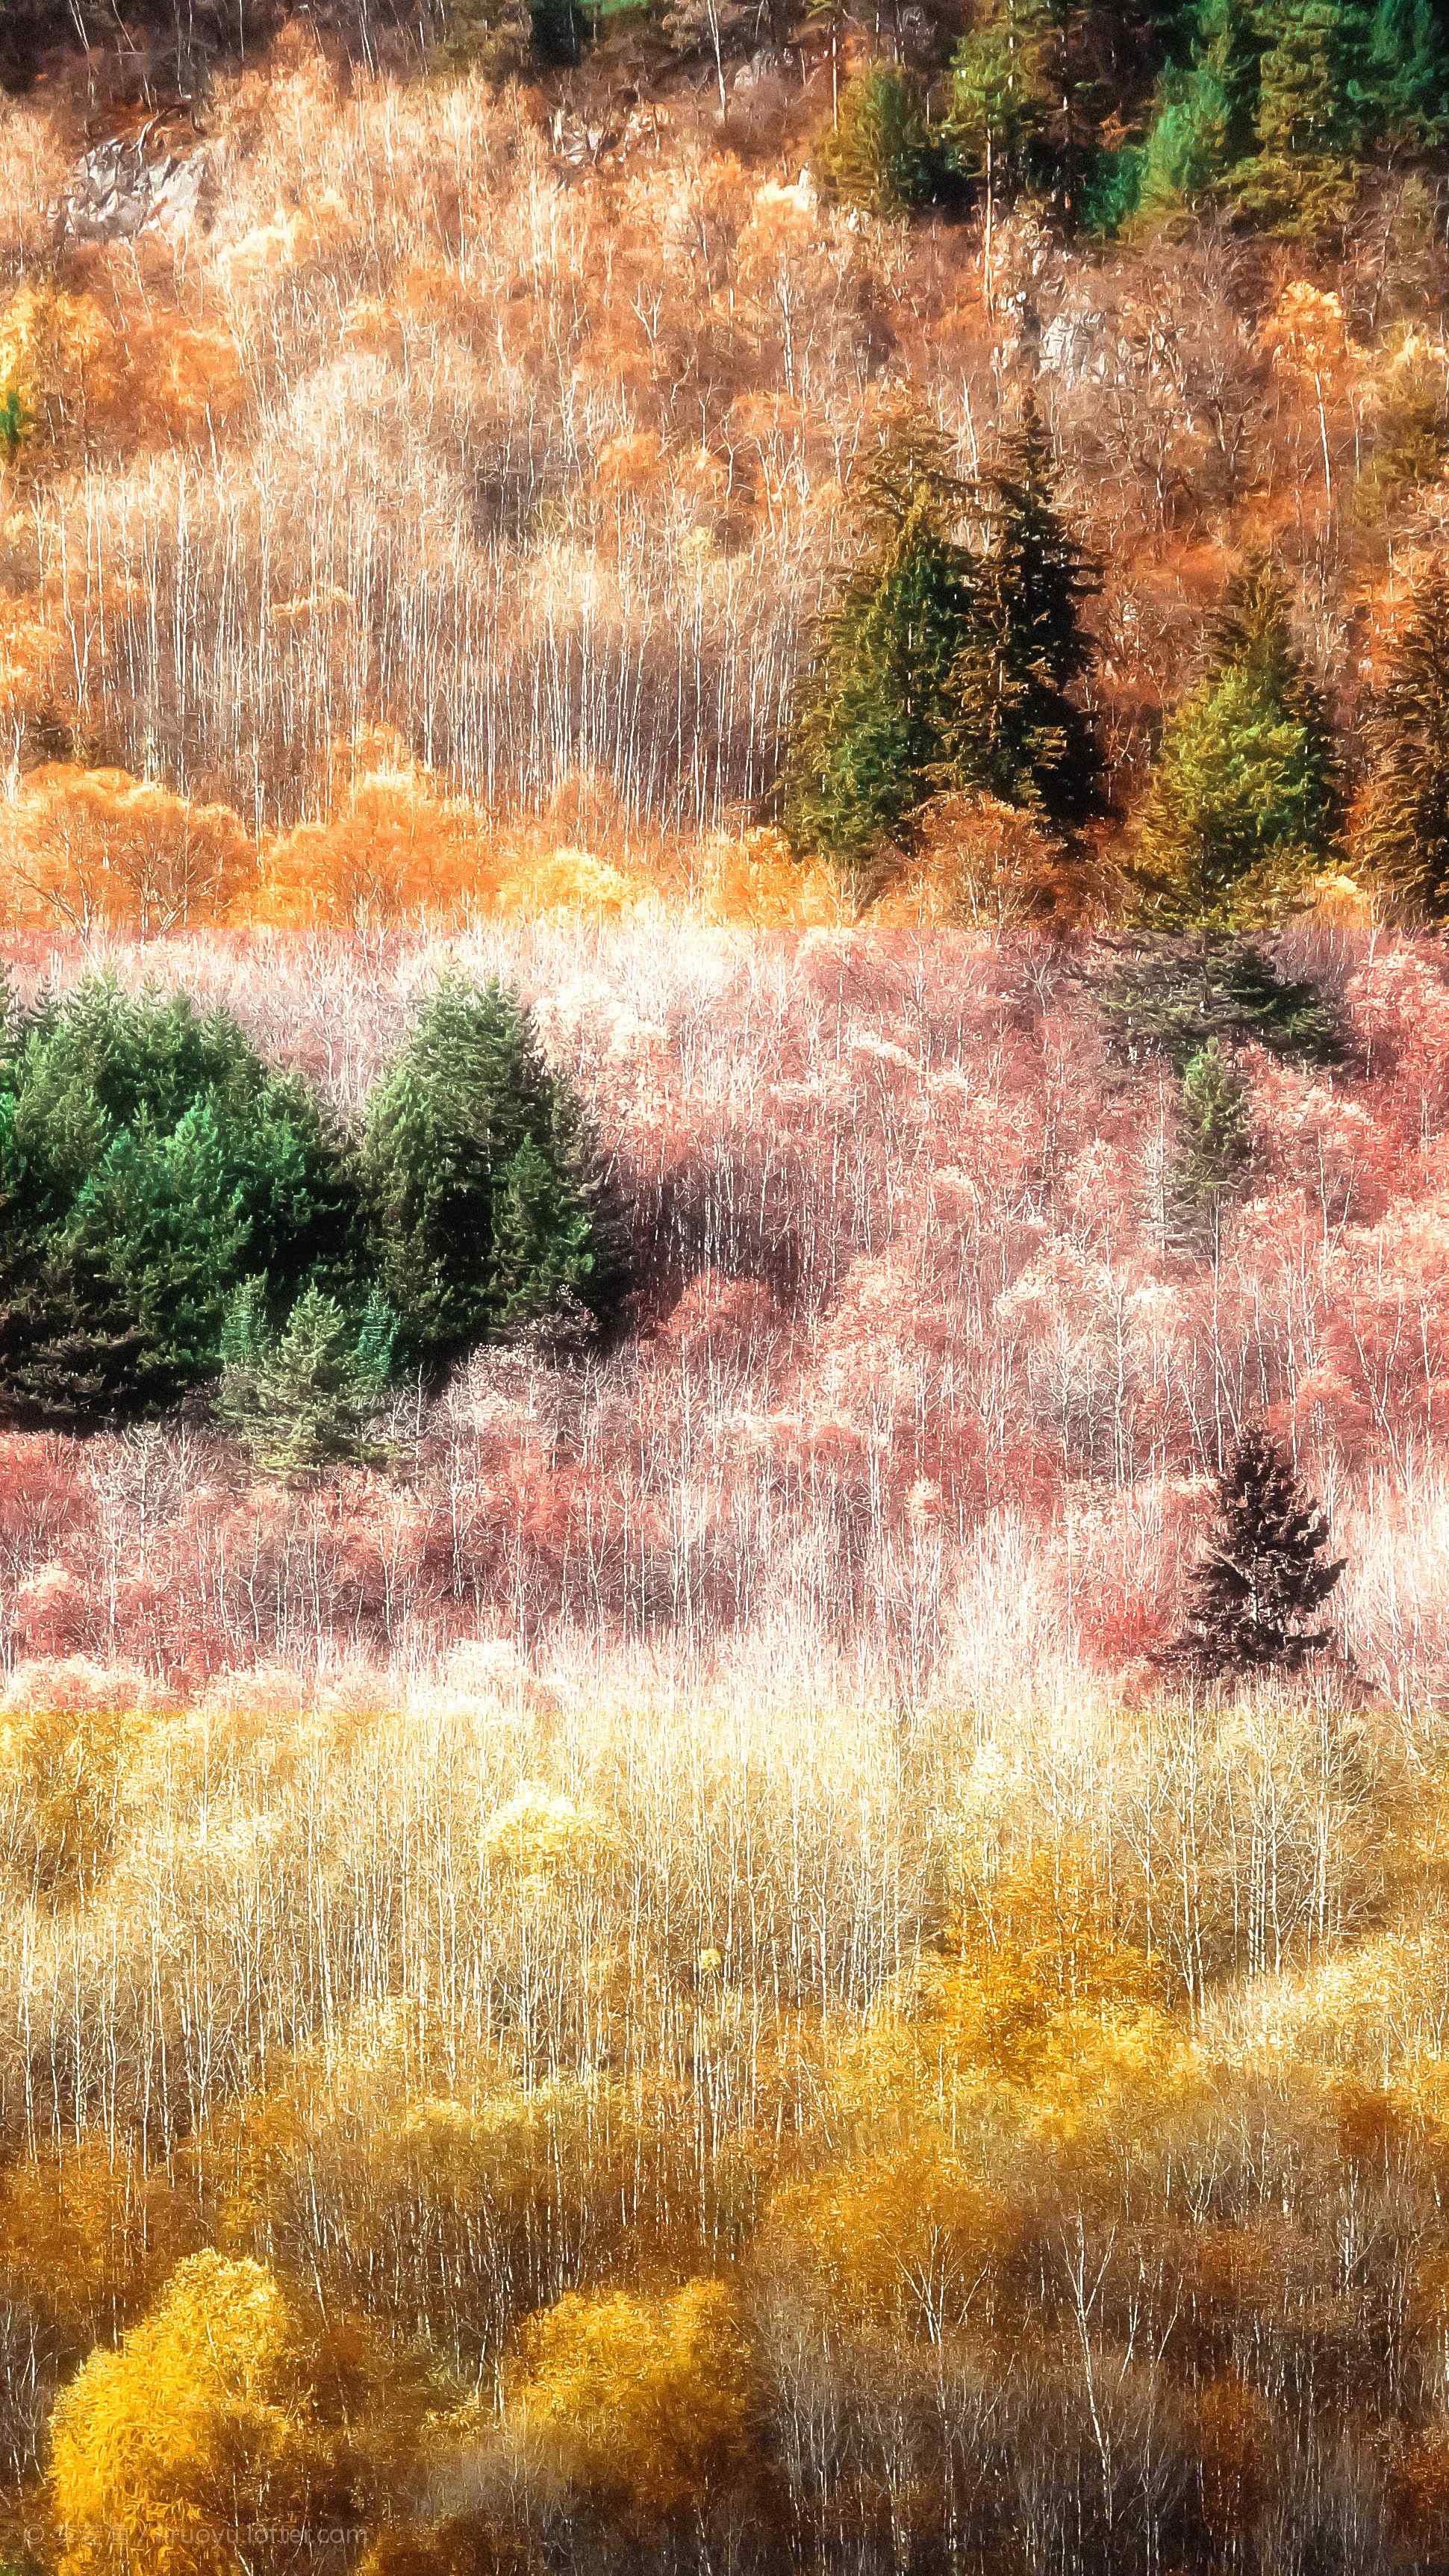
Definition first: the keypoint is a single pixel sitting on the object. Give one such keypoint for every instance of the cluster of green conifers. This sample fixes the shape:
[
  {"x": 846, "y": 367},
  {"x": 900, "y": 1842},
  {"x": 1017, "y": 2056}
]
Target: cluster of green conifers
[{"x": 177, "y": 1215}]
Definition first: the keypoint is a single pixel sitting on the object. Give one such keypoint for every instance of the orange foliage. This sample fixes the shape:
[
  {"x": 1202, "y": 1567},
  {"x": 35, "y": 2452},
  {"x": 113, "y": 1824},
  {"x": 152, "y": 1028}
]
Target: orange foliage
[
  {"x": 221, "y": 2413},
  {"x": 396, "y": 847},
  {"x": 97, "y": 849}
]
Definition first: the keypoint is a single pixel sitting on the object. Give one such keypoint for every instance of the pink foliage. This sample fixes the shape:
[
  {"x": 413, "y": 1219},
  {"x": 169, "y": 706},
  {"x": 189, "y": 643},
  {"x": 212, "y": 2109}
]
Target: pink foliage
[{"x": 898, "y": 1224}]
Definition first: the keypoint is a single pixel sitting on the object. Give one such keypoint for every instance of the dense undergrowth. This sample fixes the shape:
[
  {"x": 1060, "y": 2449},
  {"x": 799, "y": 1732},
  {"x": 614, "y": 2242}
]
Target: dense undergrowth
[{"x": 619, "y": 1951}]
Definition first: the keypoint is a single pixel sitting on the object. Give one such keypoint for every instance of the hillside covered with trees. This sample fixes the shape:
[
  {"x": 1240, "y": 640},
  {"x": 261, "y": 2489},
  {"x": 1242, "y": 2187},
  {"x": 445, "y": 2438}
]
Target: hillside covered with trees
[{"x": 724, "y": 1188}]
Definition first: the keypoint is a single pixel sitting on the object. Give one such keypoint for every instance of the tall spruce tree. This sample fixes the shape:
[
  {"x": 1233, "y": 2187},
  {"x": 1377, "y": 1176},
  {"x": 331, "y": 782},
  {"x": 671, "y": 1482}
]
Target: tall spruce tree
[
  {"x": 1003, "y": 98},
  {"x": 869, "y": 735},
  {"x": 1016, "y": 732},
  {"x": 1404, "y": 833},
  {"x": 1245, "y": 802},
  {"x": 1311, "y": 119},
  {"x": 1266, "y": 1572},
  {"x": 1203, "y": 129},
  {"x": 485, "y": 1205},
  {"x": 947, "y": 666}
]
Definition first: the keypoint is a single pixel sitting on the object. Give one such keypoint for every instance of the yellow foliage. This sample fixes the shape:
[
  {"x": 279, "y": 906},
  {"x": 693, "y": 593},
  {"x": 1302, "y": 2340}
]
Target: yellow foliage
[
  {"x": 61, "y": 1776},
  {"x": 757, "y": 879},
  {"x": 60, "y": 356},
  {"x": 569, "y": 881},
  {"x": 646, "y": 2402},
  {"x": 542, "y": 1832},
  {"x": 216, "y": 2420},
  {"x": 86, "y": 2231},
  {"x": 99, "y": 849},
  {"x": 902, "y": 2243}
]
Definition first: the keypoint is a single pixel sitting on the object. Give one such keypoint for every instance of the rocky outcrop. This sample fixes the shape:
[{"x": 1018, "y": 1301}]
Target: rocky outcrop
[{"x": 126, "y": 184}]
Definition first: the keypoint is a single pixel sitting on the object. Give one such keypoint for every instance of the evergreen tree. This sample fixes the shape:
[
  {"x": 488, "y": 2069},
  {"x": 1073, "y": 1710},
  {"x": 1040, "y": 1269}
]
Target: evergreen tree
[
  {"x": 1279, "y": 104},
  {"x": 1203, "y": 129},
  {"x": 1245, "y": 802},
  {"x": 1214, "y": 1151},
  {"x": 1015, "y": 732},
  {"x": 1266, "y": 1571},
  {"x": 869, "y": 735},
  {"x": 1405, "y": 830},
  {"x": 1408, "y": 74},
  {"x": 310, "y": 1395},
  {"x": 879, "y": 156},
  {"x": 1309, "y": 122},
  {"x": 1173, "y": 996},
  {"x": 150, "y": 1158},
  {"x": 160, "y": 1221},
  {"x": 479, "y": 1181},
  {"x": 1003, "y": 98}
]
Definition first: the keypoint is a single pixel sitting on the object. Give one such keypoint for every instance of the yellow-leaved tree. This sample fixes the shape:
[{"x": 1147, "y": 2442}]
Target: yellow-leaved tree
[
  {"x": 908, "y": 2243},
  {"x": 645, "y": 2403},
  {"x": 227, "y": 2433}
]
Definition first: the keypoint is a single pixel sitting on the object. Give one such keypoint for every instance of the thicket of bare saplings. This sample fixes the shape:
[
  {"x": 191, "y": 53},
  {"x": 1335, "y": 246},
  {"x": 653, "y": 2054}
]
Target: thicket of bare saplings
[
  {"x": 418, "y": 483},
  {"x": 645, "y": 1936},
  {"x": 659, "y": 1981}
]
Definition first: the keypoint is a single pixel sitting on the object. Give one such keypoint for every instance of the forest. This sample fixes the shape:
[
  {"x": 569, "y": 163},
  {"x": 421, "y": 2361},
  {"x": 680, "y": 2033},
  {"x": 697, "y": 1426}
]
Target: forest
[{"x": 724, "y": 1323}]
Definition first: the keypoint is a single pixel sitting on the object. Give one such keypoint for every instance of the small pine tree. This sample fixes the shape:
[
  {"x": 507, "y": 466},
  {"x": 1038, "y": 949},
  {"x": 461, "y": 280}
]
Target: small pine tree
[
  {"x": 1245, "y": 802},
  {"x": 468, "y": 1236},
  {"x": 1016, "y": 732},
  {"x": 870, "y": 730},
  {"x": 310, "y": 1395},
  {"x": 879, "y": 156},
  {"x": 1404, "y": 830},
  {"x": 1214, "y": 1149},
  {"x": 1265, "y": 1574}
]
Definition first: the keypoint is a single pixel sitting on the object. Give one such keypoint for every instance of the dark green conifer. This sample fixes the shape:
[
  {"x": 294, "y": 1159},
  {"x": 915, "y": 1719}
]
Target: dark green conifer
[
  {"x": 1408, "y": 59},
  {"x": 1214, "y": 1149},
  {"x": 1265, "y": 1574},
  {"x": 869, "y": 737},
  {"x": 150, "y": 1158},
  {"x": 1173, "y": 994},
  {"x": 1016, "y": 731},
  {"x": 1404, "y": 837},
  {"x": 479, "y": 1180}
]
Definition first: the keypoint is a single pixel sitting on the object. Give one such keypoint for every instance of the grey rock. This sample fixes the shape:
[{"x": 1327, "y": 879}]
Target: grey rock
[{"x": 123, "y": 186}]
